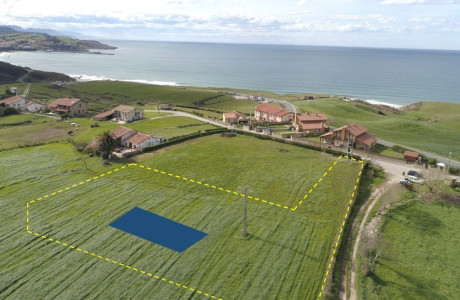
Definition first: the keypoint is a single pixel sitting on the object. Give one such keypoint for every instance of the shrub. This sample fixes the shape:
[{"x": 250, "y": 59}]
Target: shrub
[
  {"x": 10, "y": 111},
  {"x": 432, "y": 161},
  {"x": 454, "y": 171}
]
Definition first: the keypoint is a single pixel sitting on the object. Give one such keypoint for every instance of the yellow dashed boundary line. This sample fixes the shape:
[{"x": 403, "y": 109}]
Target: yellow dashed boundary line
[
  {"x": 259, "y": 199},
  {"x": 101, "y": 257},
  {"x": 106, "y": 259},
  {"x": 344, "y": 221}
]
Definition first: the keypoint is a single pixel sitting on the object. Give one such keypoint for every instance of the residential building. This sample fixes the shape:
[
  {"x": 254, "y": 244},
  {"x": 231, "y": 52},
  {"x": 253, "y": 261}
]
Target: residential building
[
  {"x": 16, "y": 101},
  {"x": 121, "y": 134},
  {"x": 34, "y": 106},
  {"x": 353, "y": 134},
  {"x": 69, "y": 107},
  {"x": 272, "y": 114},
  {"x": 123, "y": 113},
  {"x": 257, "y": 97},
  {"x": 128, "y": 113},
  {"x": 310, "y": 123},
  {"x": 141, "y": 140},
  {"x": 234, "y": 117}
]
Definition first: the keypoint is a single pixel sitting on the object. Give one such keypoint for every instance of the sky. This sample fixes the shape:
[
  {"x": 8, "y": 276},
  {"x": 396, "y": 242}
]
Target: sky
[{"x": 421, "y": 24}]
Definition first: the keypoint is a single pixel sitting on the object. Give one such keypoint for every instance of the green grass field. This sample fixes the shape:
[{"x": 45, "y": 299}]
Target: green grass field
[
  {"x": 284, "y": 258},
  {"x": 45, "y": 130},
  {"x": 420, "y": 254}
]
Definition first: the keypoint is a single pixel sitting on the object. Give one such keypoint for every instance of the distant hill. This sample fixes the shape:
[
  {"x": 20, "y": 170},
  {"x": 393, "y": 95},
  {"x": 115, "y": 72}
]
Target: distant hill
[
  {"x": 14, "y": 38},
  {"x": 10, "y": 73}
]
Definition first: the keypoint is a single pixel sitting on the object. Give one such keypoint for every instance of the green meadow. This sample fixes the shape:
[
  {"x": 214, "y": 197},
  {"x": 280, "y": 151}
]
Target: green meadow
[
  {"x": 419, "y": 254},
  {"x": 285, "y": 256}
]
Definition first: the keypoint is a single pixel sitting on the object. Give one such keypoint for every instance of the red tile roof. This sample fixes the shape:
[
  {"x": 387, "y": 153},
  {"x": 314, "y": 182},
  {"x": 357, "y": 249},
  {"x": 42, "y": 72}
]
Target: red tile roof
[
  {"x": 230, "y": 115},
  {"x": 64, "y": 101},
  {"x": 312, "y": 125},
  {"x": 11, "y": 100},
  {"x": 138, "y": 138},
  {"x": 366, "y": 138},
  {"x": 120, "y": 131},
  {"x": 355, "y": 129},
  {"x": 269, "y": 109},
  {"x": 283, "y": 113},
  {"x": 411, "y": 154},
  {"x": 311, "y": 117}
]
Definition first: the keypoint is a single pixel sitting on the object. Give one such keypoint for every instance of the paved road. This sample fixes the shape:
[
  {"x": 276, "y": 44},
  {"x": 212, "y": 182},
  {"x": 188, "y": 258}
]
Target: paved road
[{"x": 453, "y": 163}]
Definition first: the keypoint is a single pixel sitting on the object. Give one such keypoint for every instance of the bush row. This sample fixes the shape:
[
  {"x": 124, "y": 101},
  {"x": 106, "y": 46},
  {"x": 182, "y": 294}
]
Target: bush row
[
  {"x": 294, "y": 143},
  {"x": 184, "y": 138},
  {"x": 17, "y": 123}
]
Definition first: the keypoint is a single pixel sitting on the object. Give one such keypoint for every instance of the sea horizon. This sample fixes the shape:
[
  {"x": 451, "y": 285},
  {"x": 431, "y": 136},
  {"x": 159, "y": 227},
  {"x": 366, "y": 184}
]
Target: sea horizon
[{"x": 394, "y": 77}]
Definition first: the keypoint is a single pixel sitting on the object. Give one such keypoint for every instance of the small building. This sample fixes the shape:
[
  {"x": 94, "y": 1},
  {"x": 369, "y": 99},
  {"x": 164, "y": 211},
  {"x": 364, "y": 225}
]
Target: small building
[
  {"x": 141, "y": 140},
  {"x": 310, "y": 123},
  {"x": 234, "y": 117},
  {"x": 16, "y": 101},
  {"x": 353, "y": 134},
  {"x": 104, "y": 116},
  {"x": 128, "y": 113},
  {"x": 14, "y": 91},
  {"x": 121, "y": 134},
  {"x": 411, "y": 156},
  {"x": 34, "y": 106},
  {"x": 69, "y": 107},
  {"x": 257, "y": 97},
  {"x": 272, "y": 114}
]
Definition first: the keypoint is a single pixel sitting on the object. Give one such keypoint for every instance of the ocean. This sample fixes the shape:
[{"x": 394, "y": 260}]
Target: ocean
[{"x": 393, "y": 76}]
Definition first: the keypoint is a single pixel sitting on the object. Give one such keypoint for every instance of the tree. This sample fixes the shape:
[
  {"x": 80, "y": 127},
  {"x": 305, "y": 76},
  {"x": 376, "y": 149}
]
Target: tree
[{"x": 106, "y": 144}]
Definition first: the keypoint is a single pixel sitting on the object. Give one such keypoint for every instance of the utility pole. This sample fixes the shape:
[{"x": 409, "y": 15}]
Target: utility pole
[
  {"x": 245, "y": 219},
  {"x": 450, "y": 154}
]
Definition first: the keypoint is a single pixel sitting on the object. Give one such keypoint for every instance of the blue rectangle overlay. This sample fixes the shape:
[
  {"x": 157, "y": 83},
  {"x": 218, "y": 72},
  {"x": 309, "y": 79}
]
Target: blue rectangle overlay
[{"x": 158, "y": 229}]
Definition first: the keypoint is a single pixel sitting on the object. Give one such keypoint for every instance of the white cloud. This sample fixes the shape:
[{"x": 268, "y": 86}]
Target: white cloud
[{"x": 409, "y": 2}]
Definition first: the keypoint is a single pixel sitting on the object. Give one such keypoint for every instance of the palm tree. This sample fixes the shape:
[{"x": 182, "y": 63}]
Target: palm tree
[{"x": 106, "y": 144}]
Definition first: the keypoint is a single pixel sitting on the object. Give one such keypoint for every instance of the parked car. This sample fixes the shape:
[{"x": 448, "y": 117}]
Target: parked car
[
  {"x": 414, "y": 179},
  {"x": 413, "y": 173}
]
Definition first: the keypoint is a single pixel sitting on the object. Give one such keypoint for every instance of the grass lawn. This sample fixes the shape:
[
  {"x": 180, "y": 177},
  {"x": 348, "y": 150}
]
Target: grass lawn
[
  {"x": 20, "y": 118},
  {"x": 385, "y": 151},
  {"x": 284, "y": 258},
  {"x": 148, "y": 115},
  {"x": 420, "y": 257}
]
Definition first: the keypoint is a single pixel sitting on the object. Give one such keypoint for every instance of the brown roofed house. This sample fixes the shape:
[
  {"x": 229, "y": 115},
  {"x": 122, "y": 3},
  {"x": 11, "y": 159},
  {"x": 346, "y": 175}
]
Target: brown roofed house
[
  {"x": 310, "y": 123},
  {"x": 354, "y": 133},
  {"x": 272, "y": 114},
  {"x": 16, "y": 101},
  {"x": 121, "y": 133},
  {"x": 234, "y": 117},
  {"x": 69, "y": 107}
]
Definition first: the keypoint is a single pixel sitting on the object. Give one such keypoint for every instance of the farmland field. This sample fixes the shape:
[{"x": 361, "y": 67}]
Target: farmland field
[
  {"x": 285, "y": 256},
  {"x": 45, "y": 130}
]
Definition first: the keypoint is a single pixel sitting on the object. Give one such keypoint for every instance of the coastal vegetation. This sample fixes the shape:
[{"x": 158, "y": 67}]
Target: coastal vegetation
[
  {"x": 10, "y": 74},
  {"x": 13, "y": 40},
  {"x": 285, "y": 255}
]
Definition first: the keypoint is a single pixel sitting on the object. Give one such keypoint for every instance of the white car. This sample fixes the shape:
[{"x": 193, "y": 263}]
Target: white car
[{"x": 414, "y": 179}]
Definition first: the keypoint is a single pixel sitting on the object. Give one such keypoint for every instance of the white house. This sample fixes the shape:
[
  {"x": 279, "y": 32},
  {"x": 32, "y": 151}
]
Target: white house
[
  {"x": 141, "y": 140},
  {"x": 128, "y": 113},
  {"x": 33, "y": 106},
  {"x": 16, "y": 101}
]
